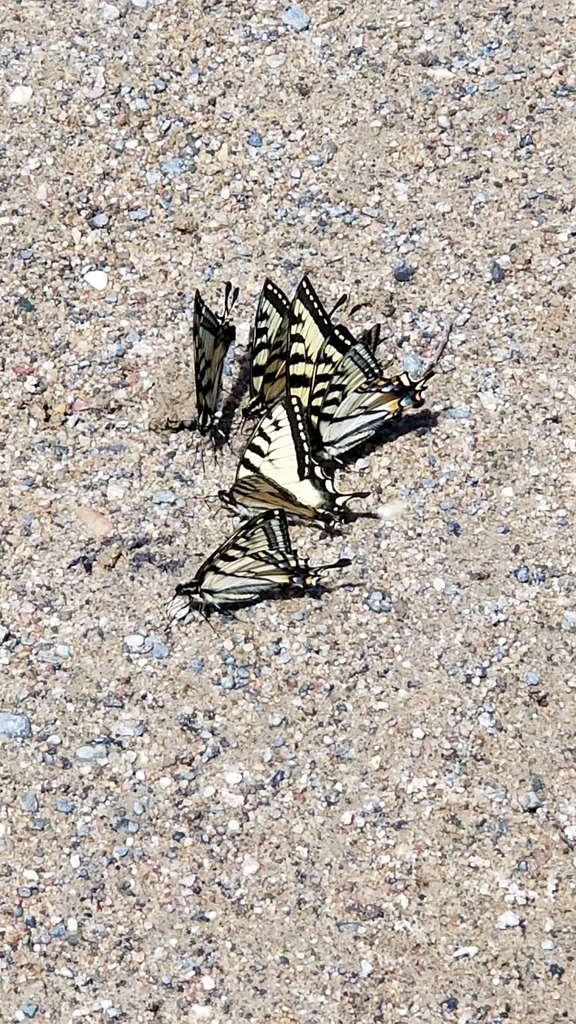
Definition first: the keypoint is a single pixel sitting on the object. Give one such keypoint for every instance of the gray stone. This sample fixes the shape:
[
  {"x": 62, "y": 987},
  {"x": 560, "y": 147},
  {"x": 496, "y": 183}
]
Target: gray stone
[
  {"x": 274, "y": 721},
  {"x": 99, "y": 220},
  {"x": 160, "y": 651},
  {"x": 569, "y": 622},
  {"x": 412, "y": 364},
  {"x": 90, "y": 753},
  {"x": 531, "y": 801},
  {"x": 14, "y": 726},
  {"x": 403, "y": 273},
  {"x": 163, "y": 497},
  {"x": 29, "y": 803},
  {"x": 173, "y": 166},
  {"x": 459, "y": 414},
  {"x": 295, "y": 18},
  {"x": 139, "y": 214}
]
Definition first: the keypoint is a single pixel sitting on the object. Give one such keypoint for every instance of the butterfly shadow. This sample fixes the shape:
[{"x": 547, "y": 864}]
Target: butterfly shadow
[
  {"x": 232, "y": 401},
  {"x": 419, "y": 422}
]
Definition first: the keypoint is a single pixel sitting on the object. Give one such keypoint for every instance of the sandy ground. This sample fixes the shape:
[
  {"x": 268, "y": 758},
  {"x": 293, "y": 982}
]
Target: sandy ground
[{"x": 319, "y": 813}]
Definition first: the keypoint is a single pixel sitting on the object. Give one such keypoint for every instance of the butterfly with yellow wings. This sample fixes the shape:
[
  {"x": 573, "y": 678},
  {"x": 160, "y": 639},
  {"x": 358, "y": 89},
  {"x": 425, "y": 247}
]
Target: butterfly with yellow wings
[
  {"x": 359, "y": 400},
  {"x": 339, "y": 381},
  {"x": 212, "y": 337},
  {"x": 268, "y": 341},
  {"x": 271, "y": 339},
  {"x": 278, "y": 470},
  {"x": 255, "y": 563}
]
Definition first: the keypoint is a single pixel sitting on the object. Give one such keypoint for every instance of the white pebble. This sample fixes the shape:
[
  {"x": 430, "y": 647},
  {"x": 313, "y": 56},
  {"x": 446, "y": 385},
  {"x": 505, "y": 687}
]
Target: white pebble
[
  {"x": 72, "y": 925},
  {"x": 110, "y": 12},
  {"x": 114, "y": 491},
  {"x": 418, "y": 733},
  {"x": 21, "y": 95},
  {"x": 465, "y": 951},
  {"x": 276, "y": 60},
  {"x": 208, "y": 983},
  {"x": 249, "y": 865},
  {"x": 233, "y": 778},
  {"x": 438, "y": 584},
  {"x": 508, "y": 920},
  {"x": 347, "y": 818},
  {"x": 366, "y": 968},
  {"x": 97, "y": 279},
  {"x": 134, "y": 642}
]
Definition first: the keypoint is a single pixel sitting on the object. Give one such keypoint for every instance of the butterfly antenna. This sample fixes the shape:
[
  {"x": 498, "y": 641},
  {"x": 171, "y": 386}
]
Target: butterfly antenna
[
  {"x": 230, "y": 297},
  {"x": 439, "y": 350},
  {"x": 338, "y": 305},
  {"x": 358, "y": 307}
]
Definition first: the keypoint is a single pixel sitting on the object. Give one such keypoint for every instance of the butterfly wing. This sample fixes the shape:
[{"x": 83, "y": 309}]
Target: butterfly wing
[
  {"x": 316, "y": 345},
  {"x": 277, "y": 469},
  {"x": 255, "y": 562},
  {"x": 269, "y": 338},
  {"x": 212, "y": 337},
  {"x": 363, "y": 411}
]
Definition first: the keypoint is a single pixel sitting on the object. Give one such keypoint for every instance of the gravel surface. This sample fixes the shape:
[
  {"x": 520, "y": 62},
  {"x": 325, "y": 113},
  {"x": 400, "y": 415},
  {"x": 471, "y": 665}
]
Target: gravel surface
[{"x": 343, "y": 810}]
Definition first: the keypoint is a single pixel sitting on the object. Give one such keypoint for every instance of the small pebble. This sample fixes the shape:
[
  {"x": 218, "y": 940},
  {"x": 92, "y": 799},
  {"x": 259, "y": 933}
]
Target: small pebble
[
  {"x": 160, "y": 651},
  {"x": 255, "y": 140},
  {"x": 29, "y": 1009},
  {"x": 497, "y": 273},
  {"x": 89, "y": 753},
  {"x": 532, "y": 678},
  {"x": 14, "y": 726},
  {"x": 403, "y": 272},
  {"x": 62, "y": 651},
  {"x": 295, "y": 18},
  {"x": 377, "y": 601},
  {"x": 97, "y": 279},
  {"x": 463, "y": 413},
  {"x": 158, "y": 84},
  {"x": 163, "y": 497},
  {"x": 531, "y": 801},
  {"x": 569, "y": 622},
  {"x": 172, "y": 166},
  {"x": 134, "y": 641},
  {"x": 141, "y": 214},
  {"x": 21, "y": 95},
  {"x": 64, "y": 806},
  {"x": 99, "y": 220},
  {"x": 522, "y": 574},
  {"x": 508, "y": 920},
  {"x": 412, "y": 365},
  {"x": 110, "y": 12},
  {"x": 276, "y": 60},
  {"x": 274, "y": 721},
  {"x": 468, "y": 951},
  {"x": 29, "y": 803}
]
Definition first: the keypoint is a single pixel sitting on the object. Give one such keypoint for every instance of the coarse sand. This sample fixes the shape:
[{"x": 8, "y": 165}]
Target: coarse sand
[{"x": 344, "y": 809}]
